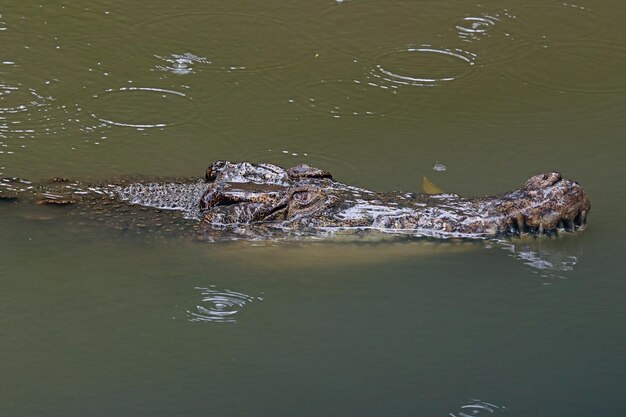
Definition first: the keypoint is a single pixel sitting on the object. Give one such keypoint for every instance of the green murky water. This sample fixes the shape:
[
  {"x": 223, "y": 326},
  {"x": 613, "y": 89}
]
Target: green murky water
[{"x": 95, "y": 322}]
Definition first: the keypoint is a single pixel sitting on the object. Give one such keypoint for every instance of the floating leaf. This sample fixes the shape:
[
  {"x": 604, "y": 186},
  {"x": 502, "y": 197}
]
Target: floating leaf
[{"x": 430, "y": 188}]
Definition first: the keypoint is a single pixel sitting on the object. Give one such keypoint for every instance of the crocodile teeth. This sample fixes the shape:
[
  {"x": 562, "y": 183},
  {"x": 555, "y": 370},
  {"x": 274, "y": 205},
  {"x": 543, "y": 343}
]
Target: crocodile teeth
[
  {"x": 513, "y": 229},
  {"x": 580, "y": 221},
  {"x": 521, "y": 224}
]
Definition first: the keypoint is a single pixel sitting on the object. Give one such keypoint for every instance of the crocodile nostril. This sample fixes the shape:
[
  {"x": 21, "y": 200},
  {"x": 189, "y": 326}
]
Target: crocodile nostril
[{"x": 210, "y": 175}]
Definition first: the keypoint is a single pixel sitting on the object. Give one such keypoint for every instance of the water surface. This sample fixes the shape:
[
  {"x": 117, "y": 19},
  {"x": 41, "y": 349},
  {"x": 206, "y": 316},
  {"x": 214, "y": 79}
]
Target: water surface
[{"x": 95, "y": 321}]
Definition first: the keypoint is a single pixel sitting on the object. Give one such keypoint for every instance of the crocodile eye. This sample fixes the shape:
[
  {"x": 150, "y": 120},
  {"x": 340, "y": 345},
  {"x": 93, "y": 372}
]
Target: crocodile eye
[
  {"x": 304, "y": 200},
  {"x": 303, "y": 197}
]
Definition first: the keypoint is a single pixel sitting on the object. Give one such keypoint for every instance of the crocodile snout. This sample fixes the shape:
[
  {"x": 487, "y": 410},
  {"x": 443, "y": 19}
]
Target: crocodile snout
[{"x": 550, "y": 205}]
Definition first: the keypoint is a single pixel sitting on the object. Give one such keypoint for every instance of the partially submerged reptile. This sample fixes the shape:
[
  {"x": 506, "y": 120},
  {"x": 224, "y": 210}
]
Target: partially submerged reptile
[{"x": 265, "y": 200}]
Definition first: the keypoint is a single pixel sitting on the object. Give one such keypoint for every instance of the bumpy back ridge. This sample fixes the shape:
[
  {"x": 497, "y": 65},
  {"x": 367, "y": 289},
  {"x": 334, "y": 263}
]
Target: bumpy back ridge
[{"x": 166, "y": 196}]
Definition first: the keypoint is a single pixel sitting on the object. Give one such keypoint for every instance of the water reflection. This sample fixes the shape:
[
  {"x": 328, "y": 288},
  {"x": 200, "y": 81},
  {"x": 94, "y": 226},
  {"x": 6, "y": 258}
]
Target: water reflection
[
  {"x": 220, "y": 306},
  {"x": 478, "y": 408},
  {"x": 550, "y": 258}
]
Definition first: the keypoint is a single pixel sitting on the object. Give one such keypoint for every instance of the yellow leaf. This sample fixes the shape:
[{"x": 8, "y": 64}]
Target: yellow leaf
[{"x": 430, "y": 188}]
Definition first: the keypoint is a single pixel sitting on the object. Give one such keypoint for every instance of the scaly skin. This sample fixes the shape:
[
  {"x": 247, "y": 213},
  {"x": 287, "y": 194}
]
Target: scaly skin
[
  {"x": 250, "y": 199},
  {"x": 306, "y": 198}
]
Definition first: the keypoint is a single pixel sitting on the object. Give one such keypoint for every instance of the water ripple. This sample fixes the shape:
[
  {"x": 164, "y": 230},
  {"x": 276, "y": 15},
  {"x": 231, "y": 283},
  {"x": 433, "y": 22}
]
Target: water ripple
[
  {"x": 219, "y": 306},
  {"x": 488, "y": 26},
  {"x": 23, "y": 111},
  {"x": 159, "y": 107},
  {"x": 15, "y": 99},
  {"x": 478, "y": 408},
  {"x": 181, "y": 64},
  {"x": 263, "y": 42},
  {"x": 473, "y": 28},
  {"x": 423, "y": 66}
]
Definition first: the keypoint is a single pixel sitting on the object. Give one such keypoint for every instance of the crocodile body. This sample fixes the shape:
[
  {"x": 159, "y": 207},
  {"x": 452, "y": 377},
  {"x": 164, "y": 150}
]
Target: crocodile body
[{"x": 263, "y": 200}]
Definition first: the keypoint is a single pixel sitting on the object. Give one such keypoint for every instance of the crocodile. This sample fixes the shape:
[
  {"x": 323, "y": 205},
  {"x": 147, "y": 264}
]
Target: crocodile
[{"x": 266, "y": 201}]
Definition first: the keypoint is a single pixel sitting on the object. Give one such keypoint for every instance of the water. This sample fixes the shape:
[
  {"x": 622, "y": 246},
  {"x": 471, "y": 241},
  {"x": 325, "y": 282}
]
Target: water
[{"x": 96, "y": 321}]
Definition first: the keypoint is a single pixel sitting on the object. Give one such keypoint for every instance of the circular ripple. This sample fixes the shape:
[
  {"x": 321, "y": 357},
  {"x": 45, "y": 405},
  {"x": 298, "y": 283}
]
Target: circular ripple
[
  {"x": 259, "y": 42},
  {"x": 141, "y": 107},
  {"x": 220, "y": 306},
  {"x": 581, "y": 67},
  {"x": 549, "y": 22},
  {"x": 16, "y": 99},
  {"x": 423, "y": 66},
  {"x": 180, "y": 64},
  {"x": 472, "y": 28},
  {"x": 24, "y": 112},
  {"x": 478, "y": 408}
]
